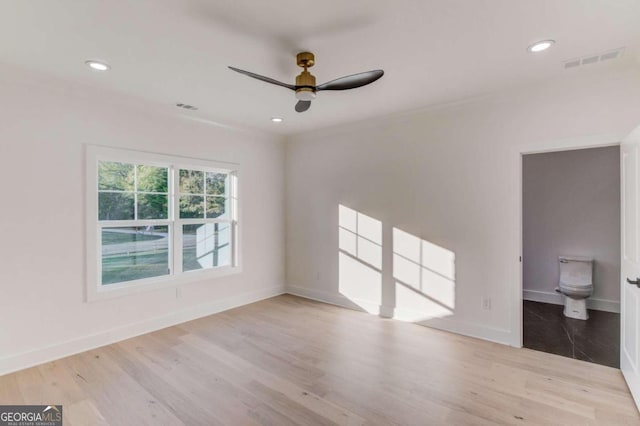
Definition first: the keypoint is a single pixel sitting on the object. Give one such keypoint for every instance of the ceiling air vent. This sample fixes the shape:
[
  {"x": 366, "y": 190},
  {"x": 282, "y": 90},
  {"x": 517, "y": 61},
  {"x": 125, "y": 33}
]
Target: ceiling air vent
[
  {"x": 185, "y": 106},
  {"x": 592, "y": 59}
]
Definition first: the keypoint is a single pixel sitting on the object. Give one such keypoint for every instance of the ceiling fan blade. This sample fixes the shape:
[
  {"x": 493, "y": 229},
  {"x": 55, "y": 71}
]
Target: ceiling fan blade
[
  {"x": 302, "y": 106},
  {"x": 263, "y": 78},
  {"x": 352, "y": 81}
]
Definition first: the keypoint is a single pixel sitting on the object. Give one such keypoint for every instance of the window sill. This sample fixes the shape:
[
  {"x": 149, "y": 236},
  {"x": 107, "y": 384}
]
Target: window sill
[{"x": 111, "y": 291}]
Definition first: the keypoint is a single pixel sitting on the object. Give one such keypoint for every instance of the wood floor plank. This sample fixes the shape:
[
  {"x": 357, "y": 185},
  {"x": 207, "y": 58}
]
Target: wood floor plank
[
  {"x": 274, "y": 382},
  {"x": 10, "y": 393},
  {"x": 59, "y": 384},
  {"x": 120, "y": 399},
  {"x": 216, "y": 397},
  {"x": 288, "y": 361},
  {"x": 178, "y": 402},
  {"x": 83, "y": 413}
]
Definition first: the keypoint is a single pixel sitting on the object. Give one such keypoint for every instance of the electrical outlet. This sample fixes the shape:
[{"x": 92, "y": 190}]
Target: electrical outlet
[
  {"x": 178, "y": 292},
  {"x": 486, "y": 303}
]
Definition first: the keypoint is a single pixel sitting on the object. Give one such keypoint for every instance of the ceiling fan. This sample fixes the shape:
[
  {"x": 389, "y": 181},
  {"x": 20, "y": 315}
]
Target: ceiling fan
[{"x": 305, "y": 86}]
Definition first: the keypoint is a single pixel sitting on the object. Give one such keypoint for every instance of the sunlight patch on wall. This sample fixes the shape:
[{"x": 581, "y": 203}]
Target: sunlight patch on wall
[
  {"x": 424, "y": 275},
  {"x": 360, "y": 258}
]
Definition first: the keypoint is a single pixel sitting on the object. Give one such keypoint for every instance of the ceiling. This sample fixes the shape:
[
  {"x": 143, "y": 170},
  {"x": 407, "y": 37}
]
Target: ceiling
[{"x": 432, "y": 51}]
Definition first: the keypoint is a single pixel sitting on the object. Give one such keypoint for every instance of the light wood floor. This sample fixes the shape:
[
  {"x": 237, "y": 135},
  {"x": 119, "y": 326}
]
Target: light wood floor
[{"x": 289, "y": 360}]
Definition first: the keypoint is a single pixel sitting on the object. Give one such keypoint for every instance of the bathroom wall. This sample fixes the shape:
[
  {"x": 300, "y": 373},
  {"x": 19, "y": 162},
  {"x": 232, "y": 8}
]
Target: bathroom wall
[{"x": 571, "y": 206}]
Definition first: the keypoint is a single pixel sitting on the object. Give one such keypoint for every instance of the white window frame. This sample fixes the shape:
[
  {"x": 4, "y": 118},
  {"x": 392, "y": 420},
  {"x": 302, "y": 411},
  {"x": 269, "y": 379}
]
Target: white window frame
[{"x": 176, "y": 277}]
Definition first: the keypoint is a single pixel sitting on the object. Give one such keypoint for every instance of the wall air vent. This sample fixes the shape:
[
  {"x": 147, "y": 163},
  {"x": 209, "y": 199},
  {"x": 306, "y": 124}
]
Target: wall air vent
[
  {"x": 592, "y": 59},
  {"x": 186, "y": 106}
]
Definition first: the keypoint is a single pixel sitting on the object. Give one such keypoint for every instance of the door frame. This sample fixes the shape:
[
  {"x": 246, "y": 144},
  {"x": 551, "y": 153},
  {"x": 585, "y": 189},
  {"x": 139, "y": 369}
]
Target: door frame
[{"x": 571, "y": 144}]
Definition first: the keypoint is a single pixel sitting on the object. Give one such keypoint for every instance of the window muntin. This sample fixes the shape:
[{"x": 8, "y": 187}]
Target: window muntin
[
  {"x": 132, "y": 191},
  {"x": 203, "y": 194},
  {"x": 158, "y": 220}
]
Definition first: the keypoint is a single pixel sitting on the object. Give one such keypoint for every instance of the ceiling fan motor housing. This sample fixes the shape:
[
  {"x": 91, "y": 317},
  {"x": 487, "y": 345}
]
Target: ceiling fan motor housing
[{"x": 306, "y": 79}]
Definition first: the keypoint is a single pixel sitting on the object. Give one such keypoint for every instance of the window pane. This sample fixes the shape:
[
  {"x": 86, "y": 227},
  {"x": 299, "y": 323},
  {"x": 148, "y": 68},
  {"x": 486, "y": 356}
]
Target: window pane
[
  {"x": 152, "y": 179},
  {"x": 115, "y": 206},
  {"x": 216, "y": 207},
  {"x": 115, "y": 176},
  {"x": 153, "y": 206},
  {"x": 216, "y": 183},
  {"x": 132, "y": 253},
  {"x": 191, "y": 206},
  {"x": 191, "y": 182},
  {"x": 206, "y": 246}
]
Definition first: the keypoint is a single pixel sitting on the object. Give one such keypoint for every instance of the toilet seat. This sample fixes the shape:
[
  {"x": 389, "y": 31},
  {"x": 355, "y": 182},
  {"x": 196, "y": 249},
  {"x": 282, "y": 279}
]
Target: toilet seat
[
  {"x": 576, "y": 291},
  {"x": 577, "y": 288}
]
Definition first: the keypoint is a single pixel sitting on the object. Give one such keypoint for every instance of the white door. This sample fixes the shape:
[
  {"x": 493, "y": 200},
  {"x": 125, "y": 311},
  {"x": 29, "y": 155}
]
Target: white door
[{"x": 630, "y": 264}]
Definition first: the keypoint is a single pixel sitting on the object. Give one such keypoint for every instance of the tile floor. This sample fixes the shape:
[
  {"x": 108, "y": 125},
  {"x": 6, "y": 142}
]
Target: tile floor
[{"x": 596, "y": 339}]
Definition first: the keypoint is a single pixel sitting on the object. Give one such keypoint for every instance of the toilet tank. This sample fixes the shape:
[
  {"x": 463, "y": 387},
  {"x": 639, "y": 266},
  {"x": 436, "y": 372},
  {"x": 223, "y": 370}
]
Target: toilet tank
[{"x": 576, "y": 271}]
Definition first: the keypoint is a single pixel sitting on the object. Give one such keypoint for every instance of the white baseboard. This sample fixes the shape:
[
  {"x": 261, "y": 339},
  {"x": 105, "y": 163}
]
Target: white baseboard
[
  {"x": 453, "y": 325},
  {"x": 39, "y": 356},
  {"x": 335, "y": 299},
  {"x": 557, "y": 299}
]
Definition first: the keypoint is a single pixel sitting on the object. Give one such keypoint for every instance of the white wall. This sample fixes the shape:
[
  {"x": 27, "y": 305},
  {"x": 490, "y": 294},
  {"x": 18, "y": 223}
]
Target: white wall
[
  {"x": 451, "y": 177},
  {"x": 43, "y": 128},
  {"x": 571, "y": 206}
]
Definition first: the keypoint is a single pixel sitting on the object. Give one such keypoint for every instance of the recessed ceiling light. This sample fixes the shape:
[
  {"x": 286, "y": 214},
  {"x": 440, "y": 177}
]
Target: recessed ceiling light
[
  {"x": 97, "y": 65},
  {"x": 540, "y": 46},
  {"x": 277, "y": 119}
]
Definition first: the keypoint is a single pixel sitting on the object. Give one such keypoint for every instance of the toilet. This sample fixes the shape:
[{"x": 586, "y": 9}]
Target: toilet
[{"x": 576, "y": 284}]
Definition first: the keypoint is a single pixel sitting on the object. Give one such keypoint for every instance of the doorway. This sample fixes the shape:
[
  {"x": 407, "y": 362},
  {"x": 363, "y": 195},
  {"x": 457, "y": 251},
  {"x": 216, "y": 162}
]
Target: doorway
[{"x": 571, "y": 250}]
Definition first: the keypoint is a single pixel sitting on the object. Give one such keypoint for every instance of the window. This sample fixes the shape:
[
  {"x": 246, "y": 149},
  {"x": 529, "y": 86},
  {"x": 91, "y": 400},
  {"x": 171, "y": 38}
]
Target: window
[{"x": 156, "y": 221}]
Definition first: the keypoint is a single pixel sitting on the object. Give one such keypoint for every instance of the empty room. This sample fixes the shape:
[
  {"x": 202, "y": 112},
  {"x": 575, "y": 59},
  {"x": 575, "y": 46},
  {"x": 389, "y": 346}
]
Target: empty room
[{"x": 421, "y": 212}]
